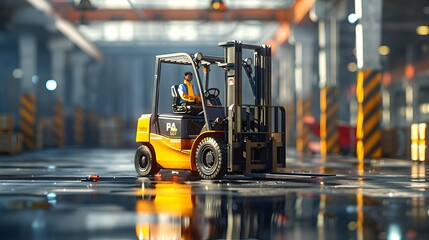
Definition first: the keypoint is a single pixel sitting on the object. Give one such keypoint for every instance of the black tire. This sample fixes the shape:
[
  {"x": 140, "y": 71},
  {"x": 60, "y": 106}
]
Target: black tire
[
  {"x": 144, "y": 162},
  {"x": 210, "y": 159}
]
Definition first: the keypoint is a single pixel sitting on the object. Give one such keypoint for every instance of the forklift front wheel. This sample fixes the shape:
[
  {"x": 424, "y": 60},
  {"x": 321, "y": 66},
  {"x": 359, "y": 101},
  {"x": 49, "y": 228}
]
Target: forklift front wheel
[
  {"x": 144, "y": 162},
  {"x": 210, "y": 159}
]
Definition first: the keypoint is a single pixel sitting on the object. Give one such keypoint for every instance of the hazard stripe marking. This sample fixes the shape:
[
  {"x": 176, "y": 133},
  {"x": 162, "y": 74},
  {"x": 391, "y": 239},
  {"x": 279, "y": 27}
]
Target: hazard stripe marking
[
  {"x": 27, "y": 122},
  {"x": 78, "y": 125},
  {"x": 369, "y": 114},
  {"x": 328, "y": 120},
  {"x": 58, "y": 127}
]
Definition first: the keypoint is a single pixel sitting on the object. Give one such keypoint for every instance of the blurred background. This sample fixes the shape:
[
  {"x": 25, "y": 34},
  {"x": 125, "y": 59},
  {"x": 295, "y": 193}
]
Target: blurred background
[{"x": 352, "y": 74}]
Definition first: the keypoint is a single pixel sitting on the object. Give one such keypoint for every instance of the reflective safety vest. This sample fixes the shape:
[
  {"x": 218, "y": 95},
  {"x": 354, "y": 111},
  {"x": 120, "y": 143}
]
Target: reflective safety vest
[{"x": 186, "y": 92}]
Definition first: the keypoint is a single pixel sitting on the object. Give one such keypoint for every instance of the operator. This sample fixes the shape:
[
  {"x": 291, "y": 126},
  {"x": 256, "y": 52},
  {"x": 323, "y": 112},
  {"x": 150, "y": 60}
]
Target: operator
[{"x": 186, "y": 91}]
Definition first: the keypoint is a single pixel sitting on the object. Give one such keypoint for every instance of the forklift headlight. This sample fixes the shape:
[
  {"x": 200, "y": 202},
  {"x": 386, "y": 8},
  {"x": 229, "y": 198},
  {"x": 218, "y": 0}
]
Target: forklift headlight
[
  {"x": 198, "y": 56},
  {"x": 248, "y": 61}
]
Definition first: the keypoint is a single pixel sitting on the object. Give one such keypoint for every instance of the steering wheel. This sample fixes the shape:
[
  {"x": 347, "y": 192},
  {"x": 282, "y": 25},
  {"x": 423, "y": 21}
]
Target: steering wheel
[{"x": 211, "y": 93}]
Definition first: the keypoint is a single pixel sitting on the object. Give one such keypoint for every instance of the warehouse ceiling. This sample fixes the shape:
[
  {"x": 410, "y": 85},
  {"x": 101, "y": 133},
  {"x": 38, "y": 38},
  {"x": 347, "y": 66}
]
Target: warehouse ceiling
[
  {"x": 156, "y": 33},
  {"x": 170, "y": 22},
  {"x": 195, "y": 22}
]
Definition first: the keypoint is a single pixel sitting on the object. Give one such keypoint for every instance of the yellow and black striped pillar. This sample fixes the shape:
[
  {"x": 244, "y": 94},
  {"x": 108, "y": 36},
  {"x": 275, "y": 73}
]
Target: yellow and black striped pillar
[
  {"x": 27, "y": 122},
  {"x": 59, "y": 130},
  {"x": 328, "y": 121},
  {"x": 78, "y": 125},
  {"x": 368, "y": 126},
  {"x": 303, "y": 109}
]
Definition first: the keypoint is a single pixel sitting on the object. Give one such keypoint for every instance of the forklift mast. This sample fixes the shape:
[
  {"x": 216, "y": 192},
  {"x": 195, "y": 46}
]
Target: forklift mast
[{"x": 256, "y": 132}]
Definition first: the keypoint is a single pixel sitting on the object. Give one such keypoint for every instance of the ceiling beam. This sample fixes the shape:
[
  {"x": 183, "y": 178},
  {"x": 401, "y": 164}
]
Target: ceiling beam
[
  {"x": 300, "y": 9},
  {"x": 275, "y": 15}
]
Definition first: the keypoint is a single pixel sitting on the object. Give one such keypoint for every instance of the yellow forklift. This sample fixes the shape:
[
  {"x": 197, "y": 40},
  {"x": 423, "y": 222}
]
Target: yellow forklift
[{"x": 216, "y": 138}]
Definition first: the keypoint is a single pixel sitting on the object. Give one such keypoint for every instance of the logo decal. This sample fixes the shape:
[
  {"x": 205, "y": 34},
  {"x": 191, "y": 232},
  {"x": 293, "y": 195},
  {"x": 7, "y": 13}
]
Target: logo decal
[{"x": 172, "y": 128}]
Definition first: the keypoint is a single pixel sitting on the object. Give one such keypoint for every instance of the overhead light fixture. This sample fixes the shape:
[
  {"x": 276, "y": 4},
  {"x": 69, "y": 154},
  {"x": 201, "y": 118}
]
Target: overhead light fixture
[
  {"x": 352, "y": 67},
  {"x": 384, "y": 50},
  {"x": 84, "y": 5},
  {"x": 218, "y": 5},
  {"x": 422, "y": 30}
]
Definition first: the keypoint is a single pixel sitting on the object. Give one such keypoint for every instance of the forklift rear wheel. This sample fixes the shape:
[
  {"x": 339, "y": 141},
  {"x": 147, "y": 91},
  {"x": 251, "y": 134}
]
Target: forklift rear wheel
[
  {"x": 144, "y": 162},
  {"x": 210, "y": 159}
]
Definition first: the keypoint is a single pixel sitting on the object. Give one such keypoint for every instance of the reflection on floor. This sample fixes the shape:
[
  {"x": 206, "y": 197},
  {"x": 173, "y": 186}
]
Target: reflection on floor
[{"x": 46, "y": 195}]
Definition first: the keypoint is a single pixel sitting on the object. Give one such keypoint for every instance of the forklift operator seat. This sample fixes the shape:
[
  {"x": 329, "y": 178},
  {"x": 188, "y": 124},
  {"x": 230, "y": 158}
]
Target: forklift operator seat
[
  {"x": 176, "y": 105},
  {"x": 181, "y": 107}
]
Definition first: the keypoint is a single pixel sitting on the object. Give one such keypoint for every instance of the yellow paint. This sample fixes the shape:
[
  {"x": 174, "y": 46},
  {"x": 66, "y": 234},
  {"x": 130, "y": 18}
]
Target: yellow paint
[
  {"x": 359, "y": 89},
  {"x": 300, "y": 138},
  {"x": 177, "y": 144},
  {"x": 359, "y": 150},
  {"x": 328, "y": 131},
  {"x": 365, "y": 122},
  {"x": 374, "y": 102},
  {"x": 372, "y": 122},
  {"x": 374, "y": 82},
  {"x": 331, "y": 143},
  {"x": 27, "y": 123},
  {"x": 143, "y": 128},
  {"x": 168, "y": 155},
  {"x": 360, "y": 115},
  {"x": 333, "y": 109},
  {"x": 28, "y": 117},
  {"x": 28, "y": 102}
]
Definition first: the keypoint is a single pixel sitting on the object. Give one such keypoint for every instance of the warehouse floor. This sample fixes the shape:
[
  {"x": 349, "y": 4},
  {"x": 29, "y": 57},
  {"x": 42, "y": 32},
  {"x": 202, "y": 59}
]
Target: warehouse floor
[{"x": 45, "y": 195}]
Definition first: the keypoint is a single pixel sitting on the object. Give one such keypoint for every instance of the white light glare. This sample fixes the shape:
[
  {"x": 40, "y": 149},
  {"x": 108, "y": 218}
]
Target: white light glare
[
  {"x": 358, "y": 9},
  {"x": 35, "y": 79},
  {"x": 359, "y": 46},
  {"x": 51, "y": 85},
  {"x": 51, "y": 195},
  {"x": 17, "y": 73},
  {"x": 352, "y": 18},
  {"x": 394, "y": 232}
]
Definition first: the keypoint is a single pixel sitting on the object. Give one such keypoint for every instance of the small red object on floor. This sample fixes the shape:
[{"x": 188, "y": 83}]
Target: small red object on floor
[{"x": 93, "y": 178}]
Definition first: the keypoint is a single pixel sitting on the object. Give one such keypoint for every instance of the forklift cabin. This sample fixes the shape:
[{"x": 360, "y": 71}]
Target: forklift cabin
[{"x": 218, "y": 137}]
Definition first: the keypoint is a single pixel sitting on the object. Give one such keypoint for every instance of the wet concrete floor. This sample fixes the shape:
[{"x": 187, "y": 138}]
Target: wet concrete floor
[{"x": 45, "y": 195}]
